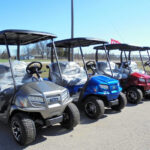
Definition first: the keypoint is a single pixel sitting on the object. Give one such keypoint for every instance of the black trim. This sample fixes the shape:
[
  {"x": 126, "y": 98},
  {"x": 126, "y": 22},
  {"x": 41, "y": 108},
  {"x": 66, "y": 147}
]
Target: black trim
[
  {"x": 23, "y": 37},
  {"x": 77, "y": 42},
  {"x": 122, "y": 47}
]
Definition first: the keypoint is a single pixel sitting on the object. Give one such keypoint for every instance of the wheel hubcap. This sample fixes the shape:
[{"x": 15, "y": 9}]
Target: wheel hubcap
[
  {"x": 90, "y": 108},
  {"x": 16, "y": 130},
  {"x": 66, "y": 116},
  {"x": 132, "y": 95}
]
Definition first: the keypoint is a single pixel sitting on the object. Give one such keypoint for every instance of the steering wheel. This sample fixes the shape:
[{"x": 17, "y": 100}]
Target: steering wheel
[
  {"x": 34, "y": 67},
  {"x": 91, "y": 65},
  {"x": 147, "y": 63},
  {"x": 126, "y": 64}
]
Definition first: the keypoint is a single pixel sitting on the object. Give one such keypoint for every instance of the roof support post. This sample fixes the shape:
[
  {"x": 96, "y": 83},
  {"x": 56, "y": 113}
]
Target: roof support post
[
  {"x": 148, "y": 54},
  {"x": 96, "y": 55},
  {"x": 83, "y": 61},
  {"x": 18, "y": 51},
  {"x": 56, "y": 56},
  {"x": 142, "y": 61},
  {"x": 10, "y": 62},
  {"x": 108, "y": 60}
]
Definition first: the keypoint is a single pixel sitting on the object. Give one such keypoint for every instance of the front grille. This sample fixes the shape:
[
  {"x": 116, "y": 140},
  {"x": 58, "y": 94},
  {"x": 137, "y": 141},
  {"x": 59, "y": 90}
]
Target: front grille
[
  {"x": 113, "y": 87},
  {"x": 53, "y": 99},
  {"x": 148, "y": 80}
]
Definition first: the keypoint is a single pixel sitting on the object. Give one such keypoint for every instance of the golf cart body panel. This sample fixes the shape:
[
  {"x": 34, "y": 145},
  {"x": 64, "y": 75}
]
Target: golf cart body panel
[
  {"x": 92, "y": 84},
  {"x": 75, "y": 78},
  {"x": 53, "y": 104},
  {"x": 94, "y": 87}
]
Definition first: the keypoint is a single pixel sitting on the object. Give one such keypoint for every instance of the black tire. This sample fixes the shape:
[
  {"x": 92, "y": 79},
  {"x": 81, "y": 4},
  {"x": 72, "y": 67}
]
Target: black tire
[
  {"x": 94, "y": 107},
  {"x": 25, "y": 128},
  {"x": 122, "y": 102},
  {"x": 134, "y": 95},
  {"x": 71, "y": 117}
]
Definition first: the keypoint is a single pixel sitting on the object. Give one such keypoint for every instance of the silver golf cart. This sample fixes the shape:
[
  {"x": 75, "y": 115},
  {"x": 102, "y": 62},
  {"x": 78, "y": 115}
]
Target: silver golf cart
[{"x": 26, "y": 101}]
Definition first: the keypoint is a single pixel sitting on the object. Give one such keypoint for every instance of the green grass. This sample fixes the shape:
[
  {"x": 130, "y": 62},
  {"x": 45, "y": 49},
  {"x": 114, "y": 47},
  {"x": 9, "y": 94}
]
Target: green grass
[
  {"x": 3, "y": 60},
  {"x": 41, "y": 60},
  {"x": 46, "y": 71}
]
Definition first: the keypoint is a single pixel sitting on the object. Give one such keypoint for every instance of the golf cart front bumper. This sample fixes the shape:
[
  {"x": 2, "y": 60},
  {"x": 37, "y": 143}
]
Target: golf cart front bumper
[
  {"x": 54, "y": 120},
  {"x": 147, "y": 89},
  {"x": 50, "y": 113},
  {"x": 147, "y": 92},
  {"x": 113, "y": 103},
  {"x": 110, "y": 99}
]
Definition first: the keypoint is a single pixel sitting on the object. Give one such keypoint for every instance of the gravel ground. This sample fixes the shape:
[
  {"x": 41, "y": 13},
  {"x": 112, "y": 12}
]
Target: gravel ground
[{"x": 126, "y": 130}]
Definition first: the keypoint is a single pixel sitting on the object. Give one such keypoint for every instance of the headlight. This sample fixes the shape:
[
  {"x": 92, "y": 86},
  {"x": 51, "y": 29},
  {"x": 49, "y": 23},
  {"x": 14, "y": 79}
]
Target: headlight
[
  {"x": 53, "y": 99},
  {"x": 103, "y": 86},
  {"x": 118, "y": 84},
  {"x": 65, "y": 94},
  {"x": 36, "y": 101},
  {"x": 21, "y": 102},
  {"x": 141, "y": 79}
]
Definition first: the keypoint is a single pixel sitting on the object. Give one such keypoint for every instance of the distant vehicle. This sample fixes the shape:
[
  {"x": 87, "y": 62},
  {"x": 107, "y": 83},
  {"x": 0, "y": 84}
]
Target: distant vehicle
[{"x": 27, "y": 57}]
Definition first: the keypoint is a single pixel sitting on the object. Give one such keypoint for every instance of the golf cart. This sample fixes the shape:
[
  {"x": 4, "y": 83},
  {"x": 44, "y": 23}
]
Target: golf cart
[
  {"x": 91, "y": 93},
  {"x": 134, "y": 83},
  {"x": 26, "y": 101}
]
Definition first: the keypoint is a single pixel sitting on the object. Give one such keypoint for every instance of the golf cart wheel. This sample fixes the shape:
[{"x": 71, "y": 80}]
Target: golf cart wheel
[
  {"x": 94, "y": 107},
  {"x": 23, "y": 129},
  {"x": 71, "y": 116},
  {"x": 122, "y": 102},
  {"x": 134, "y": 95}
]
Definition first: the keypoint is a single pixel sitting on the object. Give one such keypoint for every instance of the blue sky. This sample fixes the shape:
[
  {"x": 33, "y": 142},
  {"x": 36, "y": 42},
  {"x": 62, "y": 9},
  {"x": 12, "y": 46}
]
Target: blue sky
[{"x": 124, "y": 20}]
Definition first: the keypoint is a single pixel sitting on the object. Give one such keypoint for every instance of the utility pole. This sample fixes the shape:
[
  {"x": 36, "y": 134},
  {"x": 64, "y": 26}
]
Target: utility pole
[
  {"x": 72, "y": 19},
  {"x": 72, "y": 27}
]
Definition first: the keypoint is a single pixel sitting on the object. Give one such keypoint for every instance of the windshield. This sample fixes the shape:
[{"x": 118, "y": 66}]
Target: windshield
[
  {"x": 20, "y": 75},
  {"x": 19, "y": 69}
]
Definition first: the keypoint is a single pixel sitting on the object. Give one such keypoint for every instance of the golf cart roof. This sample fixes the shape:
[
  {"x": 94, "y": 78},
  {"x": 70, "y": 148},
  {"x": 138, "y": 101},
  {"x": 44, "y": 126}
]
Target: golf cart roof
[
  {"x": 121, "y": 47},
  {"x": 77, "y": 42},
  {"x": 23, "y": 37},
  {"x": 146, "y": 48}
]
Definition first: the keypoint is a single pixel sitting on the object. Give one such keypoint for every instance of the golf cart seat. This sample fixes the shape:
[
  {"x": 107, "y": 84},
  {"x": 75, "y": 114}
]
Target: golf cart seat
[
  {"x": 20, "y": 75},
  {"x": 103, "y": 68},
  {"x": 133, "y": 67},
  {"x": 72, "y": 74}
]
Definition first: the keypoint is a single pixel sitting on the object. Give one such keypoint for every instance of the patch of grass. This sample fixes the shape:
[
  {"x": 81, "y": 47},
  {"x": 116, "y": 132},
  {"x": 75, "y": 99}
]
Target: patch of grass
[
  {"x": 3, "y": 60},
  {"x": 147, "y": 68},
  {"x": 45, "y": 74}
]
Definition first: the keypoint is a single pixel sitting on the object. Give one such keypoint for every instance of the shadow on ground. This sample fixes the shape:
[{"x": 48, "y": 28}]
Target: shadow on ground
[
  {"x": 86, "y": 120},
  {"x": 7, "y": 142},
  {"x": 132, "y": 105}
]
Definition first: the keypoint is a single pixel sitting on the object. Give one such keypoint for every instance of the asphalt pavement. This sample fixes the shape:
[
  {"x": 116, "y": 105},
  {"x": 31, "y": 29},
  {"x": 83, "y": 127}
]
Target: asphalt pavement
[{"x": 126, "y": 130}]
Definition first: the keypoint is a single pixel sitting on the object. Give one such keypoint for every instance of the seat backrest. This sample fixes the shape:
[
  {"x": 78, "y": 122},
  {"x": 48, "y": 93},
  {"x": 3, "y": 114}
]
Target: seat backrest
[
  {"x": 72, "y": 74},
  {"x": 103, "y": 67},
  {"x": 132, "y": 67}
]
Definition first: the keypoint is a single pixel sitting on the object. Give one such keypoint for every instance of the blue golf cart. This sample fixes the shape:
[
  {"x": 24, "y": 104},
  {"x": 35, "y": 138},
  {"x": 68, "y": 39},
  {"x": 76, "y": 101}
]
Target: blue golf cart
[{"x": 91, "y": 92}]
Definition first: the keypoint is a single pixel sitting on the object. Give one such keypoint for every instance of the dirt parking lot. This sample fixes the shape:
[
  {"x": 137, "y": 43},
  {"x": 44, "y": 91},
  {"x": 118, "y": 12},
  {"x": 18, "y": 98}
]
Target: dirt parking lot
[{"x": 128, "y": 130}]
